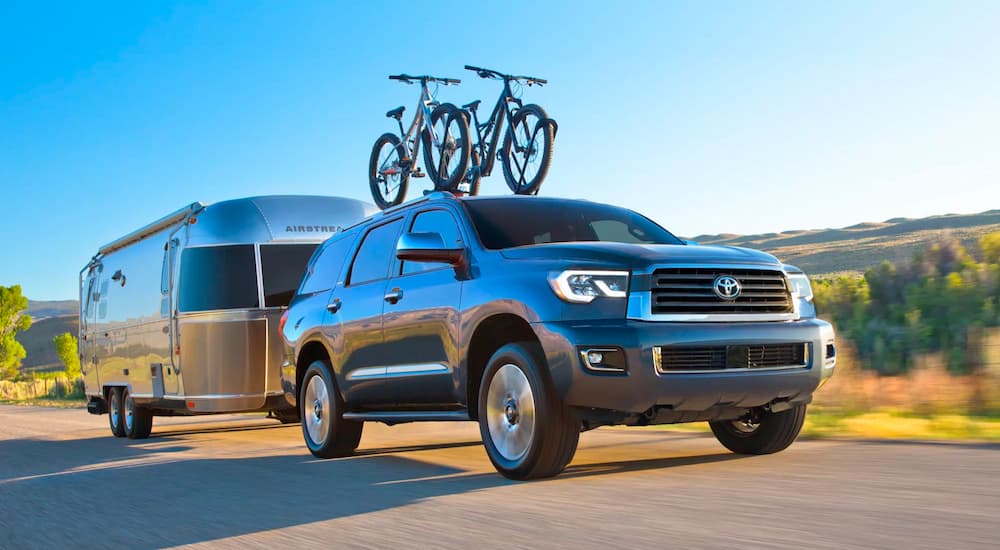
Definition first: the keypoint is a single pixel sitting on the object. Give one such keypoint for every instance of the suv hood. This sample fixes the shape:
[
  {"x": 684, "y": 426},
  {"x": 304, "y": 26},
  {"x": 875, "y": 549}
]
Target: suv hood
[{"x": 640, "y": 255}]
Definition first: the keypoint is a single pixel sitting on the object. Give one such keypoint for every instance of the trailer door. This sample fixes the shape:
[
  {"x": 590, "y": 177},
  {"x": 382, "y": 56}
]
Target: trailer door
[{"x": 168, "y": 315}]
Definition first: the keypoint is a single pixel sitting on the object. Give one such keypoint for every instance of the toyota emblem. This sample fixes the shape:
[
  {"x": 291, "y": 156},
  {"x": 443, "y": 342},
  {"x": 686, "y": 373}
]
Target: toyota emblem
[{"x": 727, "y": 287}]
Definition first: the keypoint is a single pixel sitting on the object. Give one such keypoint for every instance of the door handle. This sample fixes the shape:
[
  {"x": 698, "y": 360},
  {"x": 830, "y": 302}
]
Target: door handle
[
  {"x": 334, "y": 305},
  {"x": 394, "y": 296}
]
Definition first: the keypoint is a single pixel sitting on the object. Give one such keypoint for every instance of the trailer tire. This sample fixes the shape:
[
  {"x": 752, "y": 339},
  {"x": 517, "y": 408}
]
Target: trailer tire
[
  {"x": 137, "y": 420},
  {"x": 115, "y": 411}
]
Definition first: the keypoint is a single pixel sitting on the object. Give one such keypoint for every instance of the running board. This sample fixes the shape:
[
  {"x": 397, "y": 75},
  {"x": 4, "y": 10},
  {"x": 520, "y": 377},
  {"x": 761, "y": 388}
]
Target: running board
[{"x": 399, "y": 417}]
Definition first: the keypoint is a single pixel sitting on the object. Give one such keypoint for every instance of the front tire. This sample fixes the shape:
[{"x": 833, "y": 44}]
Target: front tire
[
  {"x": 446, "y": 165},
  {"x": 761, "y": 433},
  {"x": 326, "y": 432},
  {"x": 137, "y": 420},
  {"x": 527, "y": 150},
  {"x": 527, "y": 430},
  {"x": 115, "y": 412},
  {"x": 388, "y": 172}
]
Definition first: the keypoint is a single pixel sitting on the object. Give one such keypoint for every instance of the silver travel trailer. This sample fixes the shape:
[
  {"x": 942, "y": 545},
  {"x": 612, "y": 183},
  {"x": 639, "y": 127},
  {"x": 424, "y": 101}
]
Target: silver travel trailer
[{"x": 181, "y": 316}]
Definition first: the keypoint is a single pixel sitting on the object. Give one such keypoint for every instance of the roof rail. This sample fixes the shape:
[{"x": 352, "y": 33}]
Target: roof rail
[{"x": 433, "y": 195}]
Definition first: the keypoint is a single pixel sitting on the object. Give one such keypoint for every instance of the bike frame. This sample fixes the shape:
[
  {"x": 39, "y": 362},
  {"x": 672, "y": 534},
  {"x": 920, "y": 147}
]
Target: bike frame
[
  {"x": 420, "y": 120},
  {"x": 491, "y": 129}
]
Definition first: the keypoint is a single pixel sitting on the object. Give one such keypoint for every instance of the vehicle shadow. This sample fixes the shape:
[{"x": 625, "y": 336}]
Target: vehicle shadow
[{"x": 197, "y": 499}]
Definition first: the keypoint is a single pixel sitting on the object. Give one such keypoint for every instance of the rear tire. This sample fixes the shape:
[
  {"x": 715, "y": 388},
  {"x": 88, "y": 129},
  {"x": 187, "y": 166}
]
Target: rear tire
[
  {"x": 321, "y": 408},
  {"x": 388, "y": 175},
  {"x": 767, "y": 433},
  {"x": 527, "y": 150},
  {"x": 527, "y": 430},
  {"x": 453, "y": 130},
  {"x": 136, "y": 419},
  {"x": 115, "y": 412}
]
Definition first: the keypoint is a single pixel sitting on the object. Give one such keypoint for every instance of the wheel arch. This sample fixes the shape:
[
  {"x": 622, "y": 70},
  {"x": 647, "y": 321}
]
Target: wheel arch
[
  {"x": 490, "y": 334},
  {"x": 313, "y": 350}
]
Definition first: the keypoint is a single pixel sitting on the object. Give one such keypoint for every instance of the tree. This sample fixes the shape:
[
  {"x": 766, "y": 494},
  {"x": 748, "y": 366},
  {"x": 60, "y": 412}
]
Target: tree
[
  {"x": 12, "y": 320},
  {"x": 990, "y": 246},
  {"x": 66, "y": 349}
]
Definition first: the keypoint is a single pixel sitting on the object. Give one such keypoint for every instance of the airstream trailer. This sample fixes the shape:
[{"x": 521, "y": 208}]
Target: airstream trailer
[{"x": 181, "y": 317}]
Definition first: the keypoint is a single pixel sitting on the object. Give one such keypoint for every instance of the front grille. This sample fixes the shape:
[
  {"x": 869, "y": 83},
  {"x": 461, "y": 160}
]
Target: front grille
[
  {"x": 692, "y": 291},
  {"x": 709, "y": 358}
]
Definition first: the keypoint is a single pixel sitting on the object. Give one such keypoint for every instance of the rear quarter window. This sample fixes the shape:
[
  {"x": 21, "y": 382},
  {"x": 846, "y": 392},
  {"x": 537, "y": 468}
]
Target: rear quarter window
[{"x": 325, "y": 269}]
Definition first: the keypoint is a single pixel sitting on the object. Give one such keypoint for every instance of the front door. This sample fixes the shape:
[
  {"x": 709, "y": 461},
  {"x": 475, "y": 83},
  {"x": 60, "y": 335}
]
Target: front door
[{"x": 422, "y": 322}]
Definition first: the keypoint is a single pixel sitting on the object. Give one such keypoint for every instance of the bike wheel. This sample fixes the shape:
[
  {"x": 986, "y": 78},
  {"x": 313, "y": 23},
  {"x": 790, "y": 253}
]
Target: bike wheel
[
  {"x": 446, "y": 164},
  {"x": 387, "y": 174},
  {"x": 527, "y": 150}
]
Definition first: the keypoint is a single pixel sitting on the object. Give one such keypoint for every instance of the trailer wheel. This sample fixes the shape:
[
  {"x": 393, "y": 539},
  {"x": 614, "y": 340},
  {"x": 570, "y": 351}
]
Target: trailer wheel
[
  {"x": 326, "y": 432},
  {"x": 115, "y": 412},
  {"x": 137, "y": 420}
]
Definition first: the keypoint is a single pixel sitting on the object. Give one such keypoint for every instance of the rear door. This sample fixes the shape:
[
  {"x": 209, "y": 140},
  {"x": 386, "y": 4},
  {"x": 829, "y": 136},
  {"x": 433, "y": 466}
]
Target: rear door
[{"x": 357, "y": 306}]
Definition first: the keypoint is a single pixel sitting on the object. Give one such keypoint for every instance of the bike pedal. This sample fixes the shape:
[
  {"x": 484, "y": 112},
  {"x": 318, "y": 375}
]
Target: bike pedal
[{"x": 417, "y": 174}]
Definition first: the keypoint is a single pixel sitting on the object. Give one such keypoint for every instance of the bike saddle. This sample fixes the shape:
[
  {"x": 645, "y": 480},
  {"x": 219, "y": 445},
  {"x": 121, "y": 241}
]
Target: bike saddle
[
  {"x": 396, "y": 113},
  {"x": 472, "y": 106}
]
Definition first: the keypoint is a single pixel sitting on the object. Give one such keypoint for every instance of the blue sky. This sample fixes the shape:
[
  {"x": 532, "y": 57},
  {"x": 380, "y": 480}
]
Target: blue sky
[{"x": 709, "y": 117}]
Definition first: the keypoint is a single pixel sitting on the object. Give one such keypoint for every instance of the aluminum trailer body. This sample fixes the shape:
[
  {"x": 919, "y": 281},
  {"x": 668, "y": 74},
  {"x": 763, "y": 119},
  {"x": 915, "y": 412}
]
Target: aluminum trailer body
[{"x": 181, "y": 316}]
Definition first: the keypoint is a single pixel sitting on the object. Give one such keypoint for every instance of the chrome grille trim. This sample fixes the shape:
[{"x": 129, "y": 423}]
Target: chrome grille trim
[{"x": 689, "y": 290}]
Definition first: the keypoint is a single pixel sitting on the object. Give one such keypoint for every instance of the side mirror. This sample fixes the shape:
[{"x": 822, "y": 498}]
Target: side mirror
[
  {"x": 427, "y": 247},
  {"x": 689, "y": 242}
]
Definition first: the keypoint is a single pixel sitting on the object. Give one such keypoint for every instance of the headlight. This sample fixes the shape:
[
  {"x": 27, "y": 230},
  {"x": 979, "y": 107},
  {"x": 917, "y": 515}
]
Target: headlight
[
  {"x": 800, "y": 285},
  {"x": 583, "y": 286}
]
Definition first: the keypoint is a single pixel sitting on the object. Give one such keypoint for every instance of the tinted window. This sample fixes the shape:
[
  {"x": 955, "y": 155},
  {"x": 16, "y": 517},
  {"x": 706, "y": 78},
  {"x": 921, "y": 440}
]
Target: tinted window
[
  {"x": 376, "y": 253},
  {"x": 282, "y": 266},
  {"x": 436, "y": 221},
  {"x": 506, "y": 223},
  {"x": 218, "y": 277}
]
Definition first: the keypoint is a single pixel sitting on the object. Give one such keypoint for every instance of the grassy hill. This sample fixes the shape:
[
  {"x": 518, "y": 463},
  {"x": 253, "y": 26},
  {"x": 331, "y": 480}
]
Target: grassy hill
[
  {"x": 37, "y": 342},
  {"x": 40, "y": 309},
  {"x": 858, "y": 247}
]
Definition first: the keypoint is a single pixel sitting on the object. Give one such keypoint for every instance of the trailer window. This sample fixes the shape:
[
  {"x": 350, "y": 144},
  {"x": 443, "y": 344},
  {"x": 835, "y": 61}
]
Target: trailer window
[
  {"x": 218, "y": 277},
  {"x": 282, "y": 266}
]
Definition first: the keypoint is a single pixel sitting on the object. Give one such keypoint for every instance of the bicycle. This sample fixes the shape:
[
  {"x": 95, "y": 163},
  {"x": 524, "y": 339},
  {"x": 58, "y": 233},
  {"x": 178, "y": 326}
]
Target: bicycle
[
  {"x": 444, "y": 133},
  {"x": 527, "y": 145}
]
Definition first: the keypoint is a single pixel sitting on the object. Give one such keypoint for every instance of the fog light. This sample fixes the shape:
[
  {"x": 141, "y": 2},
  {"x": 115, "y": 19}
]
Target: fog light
[{"x": 603, "y": 360}]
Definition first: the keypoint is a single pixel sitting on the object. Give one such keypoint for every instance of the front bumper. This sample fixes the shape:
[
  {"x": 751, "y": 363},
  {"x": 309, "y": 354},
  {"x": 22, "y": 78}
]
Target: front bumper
[{"x": 641, "y": 388}]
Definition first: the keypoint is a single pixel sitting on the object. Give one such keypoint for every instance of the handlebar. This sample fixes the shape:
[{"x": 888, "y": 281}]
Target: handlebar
[
  {"x": 424, "y": 79},
  {"x": 490, "y": 73}
]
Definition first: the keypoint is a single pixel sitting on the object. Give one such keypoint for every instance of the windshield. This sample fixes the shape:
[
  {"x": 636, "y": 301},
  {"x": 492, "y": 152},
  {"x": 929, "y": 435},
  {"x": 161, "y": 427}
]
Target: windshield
[{"x": 506, "y": 223}]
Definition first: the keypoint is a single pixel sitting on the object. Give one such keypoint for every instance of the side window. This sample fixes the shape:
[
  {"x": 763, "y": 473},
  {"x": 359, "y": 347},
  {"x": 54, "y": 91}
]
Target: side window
[
  {"x": 376, "y": 253},
  {"x": 434, "y": 221},
  {"x": 325, "y": 269}
]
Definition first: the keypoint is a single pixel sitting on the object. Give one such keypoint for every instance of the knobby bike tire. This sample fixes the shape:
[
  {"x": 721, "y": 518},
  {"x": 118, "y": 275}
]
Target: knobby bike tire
[
  {"x": 540, "y": 132},
  {"x": 381, "y": 199},
  {"x": 449, "y": 181}
]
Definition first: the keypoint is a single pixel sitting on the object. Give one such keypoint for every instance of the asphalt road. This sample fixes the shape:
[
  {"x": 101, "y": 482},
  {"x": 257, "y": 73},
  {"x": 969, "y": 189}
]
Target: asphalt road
[{"x": 245, "y": 481}]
